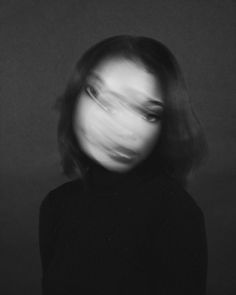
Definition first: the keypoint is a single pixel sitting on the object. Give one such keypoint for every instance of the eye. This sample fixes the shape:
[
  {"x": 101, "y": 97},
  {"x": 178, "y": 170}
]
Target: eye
[
  {"x": 151, "y": 117},
  {"x": 91, "y": 91}
]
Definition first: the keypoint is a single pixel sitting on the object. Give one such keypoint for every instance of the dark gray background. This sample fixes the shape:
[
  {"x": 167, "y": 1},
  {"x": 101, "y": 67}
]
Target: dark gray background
[{"x": 40, "y": 42}]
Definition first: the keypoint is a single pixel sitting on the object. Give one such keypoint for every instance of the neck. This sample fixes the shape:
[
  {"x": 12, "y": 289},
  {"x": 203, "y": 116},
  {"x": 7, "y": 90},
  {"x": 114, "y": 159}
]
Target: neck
[{"x": 102, "y": 180}]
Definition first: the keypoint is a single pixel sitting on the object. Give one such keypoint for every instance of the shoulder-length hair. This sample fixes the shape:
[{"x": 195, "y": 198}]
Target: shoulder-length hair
[{"x": 181, "y": 145}]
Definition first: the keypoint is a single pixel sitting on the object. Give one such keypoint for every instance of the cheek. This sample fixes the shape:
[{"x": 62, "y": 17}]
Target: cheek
[
  {"x": 85, "y": 115},
  {"x": 149, "y": 137},
  {"x": 89, "y": 124}
]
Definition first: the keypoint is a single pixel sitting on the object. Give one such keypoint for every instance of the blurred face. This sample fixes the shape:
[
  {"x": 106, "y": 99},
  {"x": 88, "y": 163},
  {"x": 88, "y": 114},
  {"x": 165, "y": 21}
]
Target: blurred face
[{"x": 117, "y": 120}]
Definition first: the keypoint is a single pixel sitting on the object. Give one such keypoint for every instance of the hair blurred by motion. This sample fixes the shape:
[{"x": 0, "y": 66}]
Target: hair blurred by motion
[{"x": 181, "y": 144}]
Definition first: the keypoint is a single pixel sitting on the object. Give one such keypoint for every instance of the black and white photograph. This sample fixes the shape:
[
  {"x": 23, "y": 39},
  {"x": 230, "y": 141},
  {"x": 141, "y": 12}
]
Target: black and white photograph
[{"x": 118, "y": 141}]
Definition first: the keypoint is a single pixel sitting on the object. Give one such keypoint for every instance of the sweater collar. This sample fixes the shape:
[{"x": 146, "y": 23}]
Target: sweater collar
[{"x": 103, "y": 181}]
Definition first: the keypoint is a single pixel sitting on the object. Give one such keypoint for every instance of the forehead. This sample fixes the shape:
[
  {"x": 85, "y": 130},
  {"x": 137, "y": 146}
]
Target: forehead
[{"x": 127, "y": 76}]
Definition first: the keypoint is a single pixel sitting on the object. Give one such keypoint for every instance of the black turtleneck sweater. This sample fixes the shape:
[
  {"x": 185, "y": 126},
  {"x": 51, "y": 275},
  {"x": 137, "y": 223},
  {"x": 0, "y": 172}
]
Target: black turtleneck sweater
[{"x": 122, "y": 234}]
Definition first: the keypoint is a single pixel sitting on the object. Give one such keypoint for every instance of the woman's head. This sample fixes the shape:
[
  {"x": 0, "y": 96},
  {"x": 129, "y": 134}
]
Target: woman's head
[
  {"x": 117, "y": 119},
  {"x": 127, "y": 104}
]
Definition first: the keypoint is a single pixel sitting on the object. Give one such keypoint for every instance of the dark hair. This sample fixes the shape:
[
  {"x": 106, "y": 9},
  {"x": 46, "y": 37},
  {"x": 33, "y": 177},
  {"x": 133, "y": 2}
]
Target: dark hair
[{"x": 181, "y": 145}]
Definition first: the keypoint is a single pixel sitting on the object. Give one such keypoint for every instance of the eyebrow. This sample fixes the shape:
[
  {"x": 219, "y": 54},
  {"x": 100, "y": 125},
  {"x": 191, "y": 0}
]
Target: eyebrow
[
  {"x": 155, "y": 102},
  {"x": 150, "y": 100}
]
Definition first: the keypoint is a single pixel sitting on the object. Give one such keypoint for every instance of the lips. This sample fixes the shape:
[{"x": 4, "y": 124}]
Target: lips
[
  {"x": 123, "y": 151},
  {"x": 122, "y": 154}
]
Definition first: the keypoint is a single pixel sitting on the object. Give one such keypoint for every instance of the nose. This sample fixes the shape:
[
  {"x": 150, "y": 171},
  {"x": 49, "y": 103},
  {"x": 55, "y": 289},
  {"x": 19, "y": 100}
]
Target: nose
[
  {"x": 122, "y": 132},
  {"x": 126, "y": 135},
  {"x": 120, "y": 123}
]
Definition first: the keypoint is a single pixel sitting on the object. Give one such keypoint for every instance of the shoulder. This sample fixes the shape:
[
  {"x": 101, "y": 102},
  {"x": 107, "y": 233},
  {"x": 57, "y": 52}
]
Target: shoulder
[
  {"x": 173, "y": 201},
  {"x": 62, "y": 195},
  {"x": 176, "y": 216}
]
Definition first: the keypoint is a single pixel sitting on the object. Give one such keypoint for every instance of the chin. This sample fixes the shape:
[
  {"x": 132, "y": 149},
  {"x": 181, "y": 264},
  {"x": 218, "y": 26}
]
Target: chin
[
  {"x": 114, "y": 166},
  {"x": 119, "y": 169}
]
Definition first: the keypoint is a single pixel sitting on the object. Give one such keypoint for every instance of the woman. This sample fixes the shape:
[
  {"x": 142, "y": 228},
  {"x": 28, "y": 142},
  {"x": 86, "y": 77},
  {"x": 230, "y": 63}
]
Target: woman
[{"x": 128, "y": 136}]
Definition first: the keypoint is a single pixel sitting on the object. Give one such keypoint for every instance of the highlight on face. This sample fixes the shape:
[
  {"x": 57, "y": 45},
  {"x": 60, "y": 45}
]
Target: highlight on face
[{"x": 117, "y": 119}]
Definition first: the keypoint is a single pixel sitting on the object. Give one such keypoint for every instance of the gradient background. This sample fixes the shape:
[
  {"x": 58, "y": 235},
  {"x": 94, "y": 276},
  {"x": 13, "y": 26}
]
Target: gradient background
[{"x": 40, "y": 43}]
